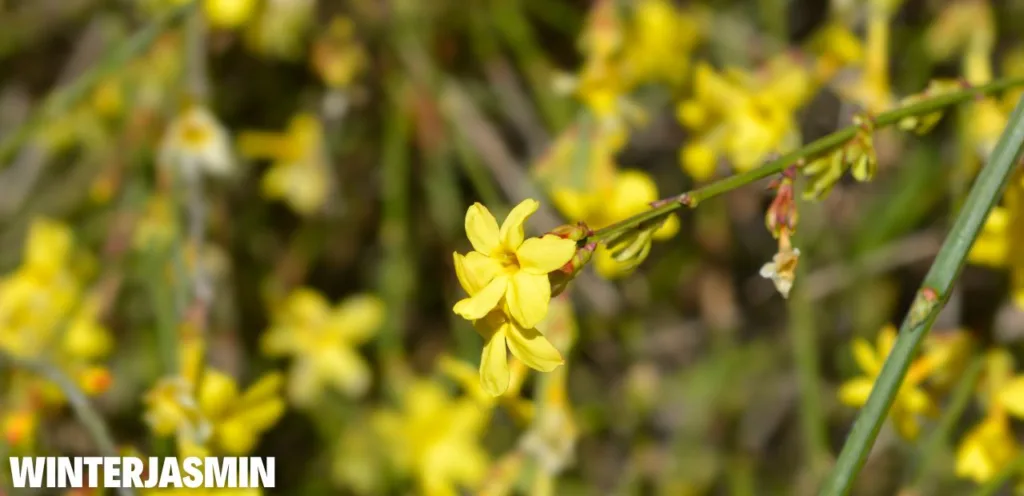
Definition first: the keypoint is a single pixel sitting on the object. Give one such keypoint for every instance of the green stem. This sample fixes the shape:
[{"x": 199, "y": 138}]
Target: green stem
[
  {"x": 809, "y": 151},
  {"x": 62, "y": 100},
  {"x": 931, "y": 298}
]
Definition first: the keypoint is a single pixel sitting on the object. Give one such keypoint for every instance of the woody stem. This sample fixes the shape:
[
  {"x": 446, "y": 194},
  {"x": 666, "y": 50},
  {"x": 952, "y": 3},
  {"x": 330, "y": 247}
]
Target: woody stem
[{"x": 811, "y": 150}]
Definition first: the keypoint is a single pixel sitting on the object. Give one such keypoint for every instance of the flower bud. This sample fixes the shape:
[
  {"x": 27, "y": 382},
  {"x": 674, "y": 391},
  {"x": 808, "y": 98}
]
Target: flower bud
[{"x": 560, "y": 278}]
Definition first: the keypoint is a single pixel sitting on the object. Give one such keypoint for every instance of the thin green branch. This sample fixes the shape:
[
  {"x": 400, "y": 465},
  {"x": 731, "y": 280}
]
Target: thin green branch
[
  {"x": 62, "y": 100},
  {"x": 88, "y": 415},
  {"x": 809, "y": 151},
  {"x": 932, "y": 296}
]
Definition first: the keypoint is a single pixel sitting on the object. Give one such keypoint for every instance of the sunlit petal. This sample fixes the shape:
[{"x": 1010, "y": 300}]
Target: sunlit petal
[
  {"x": 475, "y": 270},
  {"x": 482, "y": 229},
  {"x": 533, "y": 349},
  {"x": 358, "y": 317},
  {"x": 512, "y": 231},
  {"x": 478, "y": 305},
  {"x": 494, "y": 365},
  {"x": 544, "y": 255},
  {"x": 865, "y": 357},
  {"x": 528, "y": 297},
  {"x": 855, "y": 392}
]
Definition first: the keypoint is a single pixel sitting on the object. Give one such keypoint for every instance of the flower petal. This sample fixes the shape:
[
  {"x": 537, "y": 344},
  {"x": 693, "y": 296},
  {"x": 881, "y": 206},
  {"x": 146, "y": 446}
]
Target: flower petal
[
  {"x": 346, "y": 370},
  {"x": 512, "y": 232},
  {"x": 481, "y": 229},
  {"x": 547, "y": 254},
  {"x": 494, "y": 365},
  {"x": 478, "y": 305},
  {"x": 855, "y": 392},
  {"x": 1011, "y": 396},
  {"x": 865, "y": 357},
  {"x": 358, "y": 317},
  {"x": 530, "y": 346},
  {"x": 475, "y": 270},
  {"x": 528, "y": 296}
]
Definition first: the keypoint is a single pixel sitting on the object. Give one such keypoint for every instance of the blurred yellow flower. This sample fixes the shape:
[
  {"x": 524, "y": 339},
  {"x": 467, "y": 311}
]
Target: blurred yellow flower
[
  {"x": 468, "y": 378},
  {"x": 911, "y": 401},
  {"x": 986, "y": 449},
  {"x": 229, "y": 14},
  {"x": 506, "y": 266},
  {"x": 337, "y": 57},
  {"x": 435, "y": 439},
  {"x": 658, "y": 43},
  {"x": 1001, "y": 237},
  {"x": 323, "y": 342},
  {"x": 742, "y": 117},
  {"x": 211, "y": 414},
  {"x": 298, "y": 175}
]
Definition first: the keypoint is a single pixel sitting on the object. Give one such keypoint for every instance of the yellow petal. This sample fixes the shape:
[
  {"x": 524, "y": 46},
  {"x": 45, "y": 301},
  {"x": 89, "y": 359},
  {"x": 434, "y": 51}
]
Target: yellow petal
[
  {"x": 482, "y": 229},
  {"x": 304, "y": 382},
  {"x": 475, "y": 270},
  {"x": 528, "y": 297},
  {"x": 512, "y": 232},
  {"x": 494, "y": 365},
  {"x": 544, "y": 255},
  {"x": 915, "y": 400},
  {"x": 855, "y": 392},
  {"x": 668, "y": 228},
  {"x": 865, "y": 357},
  {"x": 533, "y": 348},
  {"x": 345, "y": 369},
  {"x": 906, "y": 424},
  {"x": 265, "y": 389},
  {"x": 478, "y": 305},
  {"x": 358, "y": 317},
  {"x": 217, "y": 392},
  {"x": 886, "y": 338},
  {"x": 632, "y": 193},
  {"x": 1011, "y": 395}
]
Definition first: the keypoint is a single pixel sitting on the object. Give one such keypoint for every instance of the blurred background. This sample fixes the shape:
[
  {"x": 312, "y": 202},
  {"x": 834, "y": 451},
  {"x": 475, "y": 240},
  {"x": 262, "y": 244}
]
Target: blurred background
[{"x": 230, "y": 225}]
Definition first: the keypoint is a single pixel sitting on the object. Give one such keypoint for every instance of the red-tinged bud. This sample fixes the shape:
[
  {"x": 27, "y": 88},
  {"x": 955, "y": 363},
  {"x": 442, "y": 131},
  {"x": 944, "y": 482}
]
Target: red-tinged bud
[
  {"x": 560, "y": 278},
  {"x": 574, "y": 232}
]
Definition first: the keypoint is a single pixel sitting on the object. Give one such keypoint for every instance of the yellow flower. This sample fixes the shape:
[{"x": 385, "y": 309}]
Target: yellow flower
[
  {"x": 435, "y": 439},
  {"x": 1001, "y": 237},
  {"x": 337, "y": 56},
  {"x": 506, "y": 266},
  {"x": 526, "y": 344},
  {"x": 212, "y": 413},
  {"x": 658, "y": 42},
  {"x": 322, "y": 341},
  {"x": 743, "y": 117},
  {"x": 195, "y": 141},
  {"x": 986, "y": 449},
  {"x": 911, "y": 400},
  {"x": 229, "y": 14},
  {"x": 299, "y": 173}
]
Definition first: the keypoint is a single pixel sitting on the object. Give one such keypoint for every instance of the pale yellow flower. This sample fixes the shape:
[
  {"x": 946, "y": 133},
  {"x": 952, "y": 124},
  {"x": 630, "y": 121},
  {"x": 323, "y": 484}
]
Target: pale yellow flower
[
  {"x": 299, "y": 174},
  {"x": 323, "y": 340},
  {"x": 196, "y": 142},
  {"x": 436, "y": 439}
]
